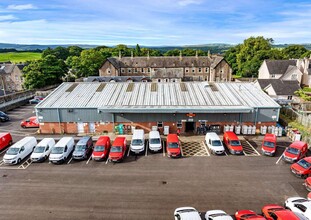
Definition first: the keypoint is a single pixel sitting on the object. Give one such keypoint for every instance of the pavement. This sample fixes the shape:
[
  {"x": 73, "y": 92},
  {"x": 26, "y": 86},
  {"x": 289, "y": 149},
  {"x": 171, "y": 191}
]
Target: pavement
[{"x": 146, "y": 186}]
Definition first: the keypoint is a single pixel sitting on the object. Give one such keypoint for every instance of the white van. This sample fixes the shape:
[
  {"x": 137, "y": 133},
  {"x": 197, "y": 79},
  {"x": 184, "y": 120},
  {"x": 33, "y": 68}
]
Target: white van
[
  {"x": 155, "y": 143},
  {"x": 62, "y": 149},
  {"x": 186, "y": 213},
  {"x": 138, "y": 141},
  {"x": 20, "y": 150},
  {"x": 214, "y": 143},
  {"x": 42, "y": 150}
]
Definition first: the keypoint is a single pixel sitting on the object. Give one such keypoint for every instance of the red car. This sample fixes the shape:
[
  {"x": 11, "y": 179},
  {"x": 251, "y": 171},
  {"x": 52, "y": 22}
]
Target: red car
[
  {"x": 173, "y": 146},
  {"x": 296, "y": 151},
  {"x": 302, "y": 168},
  {"x": 232, "y": 142},
  {"x": 31, "y": 122},
  {"x": 272, "y": 212},
  {"x": 248, "y": 214},
  {"x": 268, "y": 146},
  {"x": 101, "y": 149},
  {"x": 5, "y": 140},
  {"x": 118, "y": 149},
  {"x": 308, "y": 184}
]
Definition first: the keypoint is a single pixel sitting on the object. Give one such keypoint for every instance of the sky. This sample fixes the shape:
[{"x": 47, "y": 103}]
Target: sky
[{"x": 153, "y": 22}]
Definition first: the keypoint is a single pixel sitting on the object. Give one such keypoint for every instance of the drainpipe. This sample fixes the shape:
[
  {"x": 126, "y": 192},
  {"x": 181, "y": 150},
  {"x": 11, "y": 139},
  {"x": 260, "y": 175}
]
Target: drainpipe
[
  {"x": 58, "y": 115},
  {"x": 112, "y": 118},
  {"x": 256, "y": 115}
]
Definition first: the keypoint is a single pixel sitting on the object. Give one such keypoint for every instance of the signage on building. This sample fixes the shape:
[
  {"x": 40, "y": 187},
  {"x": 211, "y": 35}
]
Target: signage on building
[{"x": 190, "y": 115}]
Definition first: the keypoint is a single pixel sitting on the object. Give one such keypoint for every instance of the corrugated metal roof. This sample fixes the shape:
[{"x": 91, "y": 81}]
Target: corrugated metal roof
[{"x": 169, "y": 97}]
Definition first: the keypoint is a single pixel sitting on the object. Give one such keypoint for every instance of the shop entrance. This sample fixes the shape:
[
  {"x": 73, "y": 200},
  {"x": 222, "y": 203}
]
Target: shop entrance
[{"x": 190, "y": 126}]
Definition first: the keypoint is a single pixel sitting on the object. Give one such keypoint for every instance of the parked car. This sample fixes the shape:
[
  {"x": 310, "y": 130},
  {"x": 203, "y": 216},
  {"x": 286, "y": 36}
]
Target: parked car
[
  {"x": 4, "y": 117},
  {"x": 232, "y": 142},
  {"x": 248, "y": 214},
  {"x": 173, "y": 146},
  {"x": 83, "y": 148},
  {"x": 118, "y": 149},
  {"x": 5, "y": 140},
  {"x": 138, "y": 141},
  {"x": 217, "y": 215},
  {"x": 272, "y": 212},
  {"x": 31, "y": 122},
  {"x": 20, "y": 150},
  {"x": 155, "y": 143},
  {"x": 296, "y": 151},
  {"x": 102, "y": 148},
  {"x": 62, "y": 150},
  {"x": 214, "y": 143},
  {"x": 42, "y": 150},
  {"x": 34, "y": 101},
  {"x": 186, "y": 213},
  {"x": 299, "y": 205},
  {"x": 39, "y": 97},
  {"x": 307, "y": 184},
  {"x": 268, "y": 146},
  {"x": 302, "y": 168}
]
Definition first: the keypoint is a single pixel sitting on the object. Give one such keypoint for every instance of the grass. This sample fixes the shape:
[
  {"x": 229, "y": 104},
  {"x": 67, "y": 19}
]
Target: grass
[{"x": 19, "y": 57}]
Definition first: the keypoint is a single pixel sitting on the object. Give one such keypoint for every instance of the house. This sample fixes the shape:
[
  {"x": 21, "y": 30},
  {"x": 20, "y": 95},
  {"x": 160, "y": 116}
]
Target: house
[
  {"x": 212, "y": 68},
  {"x": 293, "y": 69},
  {"x": 11, "y": 76},
  {"x": 282, "y": 91}
]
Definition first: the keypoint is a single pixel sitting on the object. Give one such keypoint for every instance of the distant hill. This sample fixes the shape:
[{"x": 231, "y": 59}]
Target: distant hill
[{"x": 24, "y": 47}]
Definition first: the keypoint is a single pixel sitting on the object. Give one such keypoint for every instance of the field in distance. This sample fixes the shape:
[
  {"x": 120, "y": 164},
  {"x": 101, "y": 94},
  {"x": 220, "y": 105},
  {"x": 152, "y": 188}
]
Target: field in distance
[{"x": 19, "y": 57}]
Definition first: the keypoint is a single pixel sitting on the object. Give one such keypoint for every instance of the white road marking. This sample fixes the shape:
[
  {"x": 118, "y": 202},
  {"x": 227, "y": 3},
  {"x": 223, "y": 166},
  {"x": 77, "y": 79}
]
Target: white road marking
[
  {"x": 279, "y": 159},
  {"x": 204, "y": 146},
  {"x": 107, "y": 160},
  {"x": 128, "y": 153},
  {"x": 163, "y": 148},
  {"x": 252, "y": 148},
  {"x": 226, "y": 153},
  {"x": 87, "y": 162},
  {"x": 182, "y": 154},
  {"x": 69, "y": 160},
  {"x": 146, "y": 154}
]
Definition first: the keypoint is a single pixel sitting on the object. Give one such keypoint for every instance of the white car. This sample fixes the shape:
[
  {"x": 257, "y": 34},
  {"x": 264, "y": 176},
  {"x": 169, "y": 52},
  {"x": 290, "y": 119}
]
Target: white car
[
  {"x": 214, "y": 143},
  {"x": 217, "y": 215},
  {"x": 299, "y": 205},
  {"x": 186, "y": 213}
]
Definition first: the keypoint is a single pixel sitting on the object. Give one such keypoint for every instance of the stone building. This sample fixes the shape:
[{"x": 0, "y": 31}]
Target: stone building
[
  {"x": 212, "y": 68},
  {"x": 11, "y": 76}
]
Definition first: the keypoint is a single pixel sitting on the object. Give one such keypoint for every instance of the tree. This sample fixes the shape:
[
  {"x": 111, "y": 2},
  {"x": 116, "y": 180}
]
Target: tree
[
  {"x": 137, "y": 50},
  {"x": 58, "y": 52},
  {"x": 174, "y": 52},
  {"x": 294, "y": 51},
  {"x": 74, "y": 51},
  {"x": 33, "y": 76}
]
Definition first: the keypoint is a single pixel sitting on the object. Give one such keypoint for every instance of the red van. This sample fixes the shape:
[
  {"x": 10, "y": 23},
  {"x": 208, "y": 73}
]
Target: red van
[
  {"x": 296, "y": 151},
  {"x": 302, "y": 168},
  {"x": 118, "y": 149},
  {"x": 268, "y": 146},
  {"x": 101, "y": 149},
  {"x": 232, "y": 142},
  {"x": 5, "y": 140},
  {"x": 31, "y": 122},
  {"x": 173, "y": 146}
]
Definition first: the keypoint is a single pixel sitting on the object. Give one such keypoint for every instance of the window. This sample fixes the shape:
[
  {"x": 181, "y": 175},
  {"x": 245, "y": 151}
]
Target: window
[
  {"x": 159, "y": 80},
  {"x": 149, "y": 70},
  {"x": 187, "y": 70},
  {"x": 129, "y": 70},
  {"x": 272, "y": 75},
  {"x": 142, "y": 70},
  {"x": 160, "y": 124},
  {"x": 108, "y": 71},
  {"x": 202, "y": 123},
  {"x": 179, "y": 124},
  {"x": 290, "y": 97},
  {"x": 135, "y": 70},
  {"x": 193, "y": 70},
  {"x": 301, "y": 207},
  {"x": 200, "y": 70},
  {"x": 122, "y": 71},
  {"x": 206, "y": 70}
]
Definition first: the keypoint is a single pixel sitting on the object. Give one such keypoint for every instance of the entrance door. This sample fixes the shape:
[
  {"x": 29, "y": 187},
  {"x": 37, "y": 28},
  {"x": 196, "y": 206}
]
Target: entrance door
[
  {"x": 92, "y": 127},
  {"x": 190, "y": 126},
  {"x": 80, "y": 127}
]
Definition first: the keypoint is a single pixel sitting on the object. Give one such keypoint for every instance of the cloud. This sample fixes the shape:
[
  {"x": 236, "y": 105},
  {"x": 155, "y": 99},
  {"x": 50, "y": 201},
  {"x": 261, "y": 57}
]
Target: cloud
[
  {"x": 7, "y": 17},
  {"x": 189, "y": 2},
  {"x": 21, "y": 7}
]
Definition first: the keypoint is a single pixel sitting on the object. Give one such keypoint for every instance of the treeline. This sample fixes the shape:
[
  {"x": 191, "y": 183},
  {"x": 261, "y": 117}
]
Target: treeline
[
  {"x": 6, "y": 50},
  {"x": 246, "y": 58},
  {"x": 66, "y": 64}
]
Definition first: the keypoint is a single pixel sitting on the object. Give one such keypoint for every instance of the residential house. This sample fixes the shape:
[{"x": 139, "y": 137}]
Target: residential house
[{"x": 11, "y": 76}]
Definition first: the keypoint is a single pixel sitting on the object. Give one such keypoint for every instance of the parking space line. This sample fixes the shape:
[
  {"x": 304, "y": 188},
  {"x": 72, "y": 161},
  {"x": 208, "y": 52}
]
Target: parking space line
[
  {"x": 27, "y": 163},
  {"x": 87, "y": 162},
  {"x": 146, "y": 154},
  {"x": 69, "y": 160},
  {"x": 107, "y": 160},
  {"x": 226, "y": 153},
  {"x": 205, "y": 148},
  {"x": 3, "y": 151},
  {"x": 182, "y": 154},
  {"x": 279, "y": 159},
  {"x": 128, "y": 152},
  {"x": 1, "y": 162}
]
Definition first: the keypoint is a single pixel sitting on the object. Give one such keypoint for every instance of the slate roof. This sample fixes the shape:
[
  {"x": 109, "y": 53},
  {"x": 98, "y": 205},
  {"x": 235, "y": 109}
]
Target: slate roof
[
  {"x": 116, "y": 78},
  {"x": 168, "y": 62},
  {"x": 279, "y": 66},
  {"x": 9, "y": 67},
  {"x": 281, "y": 87}
]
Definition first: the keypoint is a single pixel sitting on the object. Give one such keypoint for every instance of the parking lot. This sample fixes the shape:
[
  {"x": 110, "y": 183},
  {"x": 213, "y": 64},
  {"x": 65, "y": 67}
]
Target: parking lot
[{"x": 145, "y": 186}]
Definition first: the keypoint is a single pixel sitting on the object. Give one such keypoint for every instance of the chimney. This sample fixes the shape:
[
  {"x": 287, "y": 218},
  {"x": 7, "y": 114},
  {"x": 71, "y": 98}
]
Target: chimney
[
  {"x": 209, "y": 53},
  {"x": 180, "y": 56},
  {"x": 120, "y": 55},
  {"x": 196, "y": 54},
  {"x": 148, "y": 55},
  {"x": 132, "y": 54}
]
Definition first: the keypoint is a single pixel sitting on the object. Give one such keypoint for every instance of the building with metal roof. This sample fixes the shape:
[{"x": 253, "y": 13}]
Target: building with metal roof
[{"x": 96, "y": 106}]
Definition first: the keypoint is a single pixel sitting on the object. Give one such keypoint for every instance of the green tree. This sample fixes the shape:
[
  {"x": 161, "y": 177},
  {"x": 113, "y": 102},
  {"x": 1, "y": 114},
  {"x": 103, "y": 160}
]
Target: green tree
[
  {"x": 174, "y": 52},
  {"x": 294, "y": 51},
  {"x": 58, "y": 52},
  {"x": 33, "y": 76},
  {"x": 137, "y": 50},
  {"x": 74, "y": 51}
]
